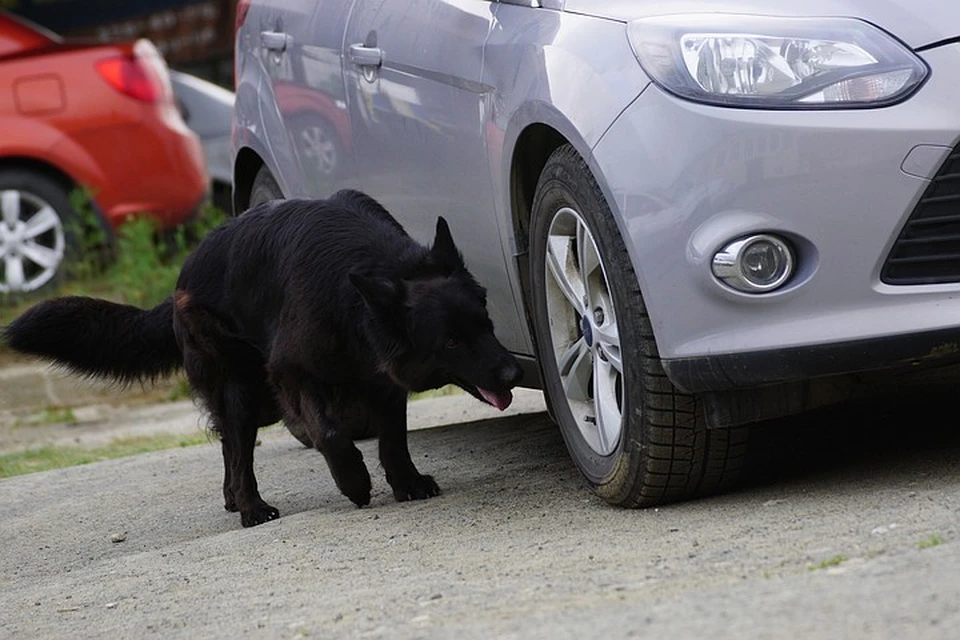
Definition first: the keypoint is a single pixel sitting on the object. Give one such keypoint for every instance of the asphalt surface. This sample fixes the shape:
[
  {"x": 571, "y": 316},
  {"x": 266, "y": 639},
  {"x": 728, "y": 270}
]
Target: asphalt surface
[{"x": 845, "y": 527}]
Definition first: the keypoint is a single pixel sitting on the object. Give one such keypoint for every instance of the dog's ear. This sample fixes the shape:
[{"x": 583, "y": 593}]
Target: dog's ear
[
  {"x": 380, "y": 294},
  {"x": 444, "y": 251}
]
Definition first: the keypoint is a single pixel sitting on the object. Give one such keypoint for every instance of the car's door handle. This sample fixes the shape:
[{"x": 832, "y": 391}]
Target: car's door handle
[
  {"x": 364, "y": 56},
  {"x": 274, "y": 40}
]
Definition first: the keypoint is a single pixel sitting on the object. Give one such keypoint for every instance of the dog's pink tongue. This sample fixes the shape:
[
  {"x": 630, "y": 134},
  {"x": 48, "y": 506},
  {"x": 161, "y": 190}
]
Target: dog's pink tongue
[{"x": 501, "y": 400}]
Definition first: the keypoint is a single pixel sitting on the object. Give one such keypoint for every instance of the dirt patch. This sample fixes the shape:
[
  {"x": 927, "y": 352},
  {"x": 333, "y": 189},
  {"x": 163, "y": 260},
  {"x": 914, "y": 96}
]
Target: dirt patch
[{"x": 10, "y": 358}]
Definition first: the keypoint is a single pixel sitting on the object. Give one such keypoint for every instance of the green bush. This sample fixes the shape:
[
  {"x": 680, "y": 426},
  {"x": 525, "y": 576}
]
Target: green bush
[{"x": 147, "y": 261}]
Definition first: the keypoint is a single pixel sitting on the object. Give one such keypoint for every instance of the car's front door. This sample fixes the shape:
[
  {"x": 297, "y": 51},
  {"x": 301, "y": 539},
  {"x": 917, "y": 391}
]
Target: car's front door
[{"x": 412, "y": 71}]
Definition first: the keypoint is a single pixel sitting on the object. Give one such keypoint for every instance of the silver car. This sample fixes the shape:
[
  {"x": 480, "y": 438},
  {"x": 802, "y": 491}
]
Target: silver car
[{"x": 690, "y": 216}]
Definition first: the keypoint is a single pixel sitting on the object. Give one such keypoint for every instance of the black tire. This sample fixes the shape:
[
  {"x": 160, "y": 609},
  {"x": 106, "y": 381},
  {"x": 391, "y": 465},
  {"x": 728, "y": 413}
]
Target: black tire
[
  {"x": 264, "y": 188},
  {"x": 44, "y": 253},
  {"x": 664, "y": 451}
]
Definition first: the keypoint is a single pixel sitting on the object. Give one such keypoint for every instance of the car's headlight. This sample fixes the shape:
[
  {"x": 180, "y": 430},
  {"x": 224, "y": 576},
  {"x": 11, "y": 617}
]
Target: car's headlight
[{"x": 776, "y": 63}]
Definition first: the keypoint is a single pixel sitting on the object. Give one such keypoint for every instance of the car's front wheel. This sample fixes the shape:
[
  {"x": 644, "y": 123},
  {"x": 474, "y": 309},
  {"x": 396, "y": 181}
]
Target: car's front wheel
[{"x": 637, "y": 439}]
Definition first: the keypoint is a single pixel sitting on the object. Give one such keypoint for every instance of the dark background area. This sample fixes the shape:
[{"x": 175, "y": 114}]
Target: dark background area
[{"x": 195, "y": 36}]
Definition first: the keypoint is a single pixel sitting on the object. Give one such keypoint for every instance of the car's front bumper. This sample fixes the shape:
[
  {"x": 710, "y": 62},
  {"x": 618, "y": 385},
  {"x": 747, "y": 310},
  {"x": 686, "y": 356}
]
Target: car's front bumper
[{"x": 684, "y": 179}]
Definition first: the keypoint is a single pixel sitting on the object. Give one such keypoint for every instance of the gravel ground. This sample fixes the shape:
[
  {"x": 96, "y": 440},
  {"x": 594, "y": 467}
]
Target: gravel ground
[{"x": 846, "y": 526}]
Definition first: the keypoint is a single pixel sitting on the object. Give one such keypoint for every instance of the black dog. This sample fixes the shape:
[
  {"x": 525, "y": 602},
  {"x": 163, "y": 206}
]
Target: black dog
[{"x": 323, "y": 313}]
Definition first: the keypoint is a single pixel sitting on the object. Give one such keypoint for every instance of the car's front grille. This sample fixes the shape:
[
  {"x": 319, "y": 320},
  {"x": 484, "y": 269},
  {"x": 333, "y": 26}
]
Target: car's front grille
[{"x": 928, "y": 249}]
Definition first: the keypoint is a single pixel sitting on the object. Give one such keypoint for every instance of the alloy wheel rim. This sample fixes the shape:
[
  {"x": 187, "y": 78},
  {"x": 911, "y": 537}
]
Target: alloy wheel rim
[
  {"x": 584, "y": 335},
  {"x": 32, "y": 241}
]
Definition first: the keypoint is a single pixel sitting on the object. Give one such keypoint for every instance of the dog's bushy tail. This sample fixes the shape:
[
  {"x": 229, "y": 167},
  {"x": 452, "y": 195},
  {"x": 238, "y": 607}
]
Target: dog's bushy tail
[{"x": 100, "y": 339}]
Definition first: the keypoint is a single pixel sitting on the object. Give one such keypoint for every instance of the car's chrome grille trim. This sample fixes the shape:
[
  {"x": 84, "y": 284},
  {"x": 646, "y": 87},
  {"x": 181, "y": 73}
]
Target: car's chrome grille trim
[{"x": 928, "y": 249}]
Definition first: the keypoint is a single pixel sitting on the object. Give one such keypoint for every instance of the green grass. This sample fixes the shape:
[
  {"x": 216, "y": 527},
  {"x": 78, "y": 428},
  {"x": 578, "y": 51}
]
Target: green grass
[
  {"x": 145, "y": 262},
  {"x": 932, "y": 541},
  {"x": 180, "y": 389},
  {"x": 58, "y": 457},
  {"x": 50, "y": 415},
  {"x": 835, "y": 561},
  {"x": 449, "y": 390}
]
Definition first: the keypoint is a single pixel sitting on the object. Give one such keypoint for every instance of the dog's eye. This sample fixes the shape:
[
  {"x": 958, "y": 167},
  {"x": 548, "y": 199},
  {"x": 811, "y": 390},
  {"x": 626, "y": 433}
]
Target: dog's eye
[{"x": 452, "y": 343}]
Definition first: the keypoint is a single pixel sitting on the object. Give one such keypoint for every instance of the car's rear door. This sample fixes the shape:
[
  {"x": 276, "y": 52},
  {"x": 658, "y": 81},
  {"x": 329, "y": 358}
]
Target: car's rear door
[
  {"x": 299, "y": 44},
  {"x": 417, "y": 107}
]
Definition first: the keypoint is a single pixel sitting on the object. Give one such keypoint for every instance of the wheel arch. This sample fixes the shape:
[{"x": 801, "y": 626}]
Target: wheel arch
[
  {"x": 258, "y": 139},
  {"x": 60, "y": 176},
  {"x": 535, "y": 132},
  {"x": 38, "y": 165},
  {"x": 533, "y": 147}
]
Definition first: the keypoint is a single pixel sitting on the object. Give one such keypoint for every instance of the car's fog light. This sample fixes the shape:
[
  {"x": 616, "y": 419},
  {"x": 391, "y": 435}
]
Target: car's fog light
[{"x": 755, "y": 264}]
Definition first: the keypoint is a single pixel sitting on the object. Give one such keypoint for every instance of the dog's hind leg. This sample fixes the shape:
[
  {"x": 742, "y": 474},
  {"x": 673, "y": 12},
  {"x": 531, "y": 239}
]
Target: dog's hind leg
[
  {"x": 235, "y": 403},
  {"x": 268, "y": 415},
  {"x": 389, "y": 405},
  {"x": 238, "y": 426},
  {"x": 229, "y": 376}
]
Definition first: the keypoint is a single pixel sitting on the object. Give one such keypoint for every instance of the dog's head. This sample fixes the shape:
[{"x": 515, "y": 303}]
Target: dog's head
[{"x": 436, "y": 328}]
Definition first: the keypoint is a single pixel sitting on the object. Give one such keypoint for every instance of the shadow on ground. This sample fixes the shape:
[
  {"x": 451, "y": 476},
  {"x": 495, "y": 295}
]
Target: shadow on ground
[
  {"x": 889, "y": 440},
  {"x": 905, "y": 433}
]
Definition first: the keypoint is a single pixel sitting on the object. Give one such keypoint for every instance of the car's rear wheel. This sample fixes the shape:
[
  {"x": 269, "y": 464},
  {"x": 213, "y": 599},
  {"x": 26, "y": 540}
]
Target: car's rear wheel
[
  {"x": 37, "y": 231},
  {"x": 265, "y": 189},
  {"x": 637, "y": 439}
]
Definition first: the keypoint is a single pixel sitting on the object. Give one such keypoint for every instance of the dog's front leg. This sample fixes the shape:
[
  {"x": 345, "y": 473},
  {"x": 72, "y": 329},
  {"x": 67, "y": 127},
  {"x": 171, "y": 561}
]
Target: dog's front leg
[
  {"x": 309, "y": 406},
  {"x": 402, "y": 475}
]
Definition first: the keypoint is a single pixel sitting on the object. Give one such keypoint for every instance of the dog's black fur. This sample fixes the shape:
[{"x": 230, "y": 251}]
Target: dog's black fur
[{"x": 322, "y": 312}]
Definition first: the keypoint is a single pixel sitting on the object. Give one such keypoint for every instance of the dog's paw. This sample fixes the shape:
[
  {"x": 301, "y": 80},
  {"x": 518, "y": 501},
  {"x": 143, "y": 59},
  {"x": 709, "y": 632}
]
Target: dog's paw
[
  {"x": 258, "y": 515},
  {"x": 416, "y": 488},
  {"x": 355, "y": 484},
  {"x": 229, "y": 502}
]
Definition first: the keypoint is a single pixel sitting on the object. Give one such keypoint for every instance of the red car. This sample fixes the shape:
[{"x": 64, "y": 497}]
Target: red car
[{"x": 97, "y": 116}]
